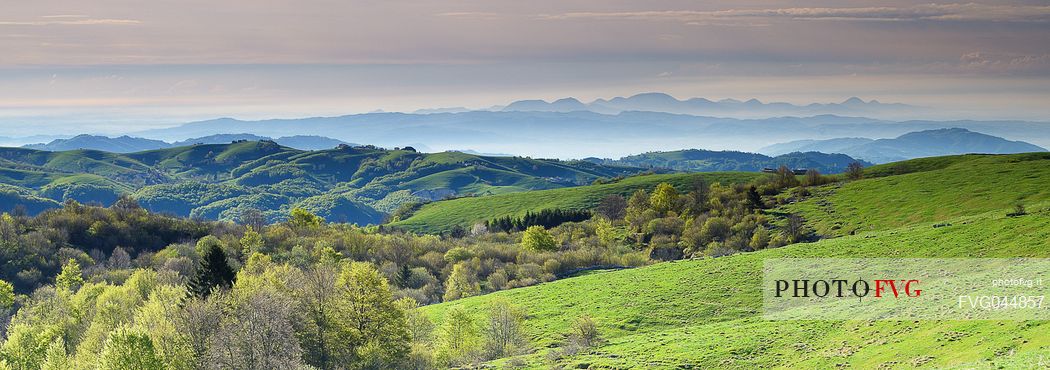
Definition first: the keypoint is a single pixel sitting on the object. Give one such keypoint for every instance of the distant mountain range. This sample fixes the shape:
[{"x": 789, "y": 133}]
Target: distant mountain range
[
  {"x": 927, "y": 143},
  {"x": 583, "y": 133},
  {"x": 128, "y": 144},
  {"x": 219, "y": 181},
  {"x": 753, "y": 108},
  {"x": 694, "y": 160}
]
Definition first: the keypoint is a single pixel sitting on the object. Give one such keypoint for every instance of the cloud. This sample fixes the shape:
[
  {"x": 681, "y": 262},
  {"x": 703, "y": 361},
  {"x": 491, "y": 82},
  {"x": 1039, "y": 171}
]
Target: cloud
[
  {"x": 926, "y": 12},
  {"x": 471, "y": 15},
  {"x": 72, "y": 20},
  {"x": 1005, "y": 63}
]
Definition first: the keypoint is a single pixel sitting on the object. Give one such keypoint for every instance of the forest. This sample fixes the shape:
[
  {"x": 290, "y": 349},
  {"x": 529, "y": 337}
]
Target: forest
[{"x": 88, "y": 287}]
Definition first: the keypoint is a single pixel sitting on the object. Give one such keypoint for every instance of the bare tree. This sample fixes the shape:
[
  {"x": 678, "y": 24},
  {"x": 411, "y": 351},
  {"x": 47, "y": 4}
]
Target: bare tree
[
  {"x": 258, "y": 335},
  {"x": 199, "y": 320},
  {"x": 855, "y": 171},
  {"x": 795, "y": 228},
  {"x": 503, "y": 332},
  {"x": 612, "y": 207},
  {"x": 253, "y": 218}
]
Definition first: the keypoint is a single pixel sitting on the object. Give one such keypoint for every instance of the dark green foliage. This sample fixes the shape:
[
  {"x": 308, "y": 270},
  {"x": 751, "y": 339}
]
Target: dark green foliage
[
  {"x": 547, "y": 218},
  {"x": 707, "y": 161},
  {"x": 212, "y": 272},
  {"x": 754, "y": 200},
  {"x": 219, "y": 181}
]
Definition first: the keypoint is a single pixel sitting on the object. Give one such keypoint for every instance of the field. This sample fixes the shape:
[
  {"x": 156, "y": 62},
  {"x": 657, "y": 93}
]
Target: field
[
  {"x": 707, "y": 313},
  {"x": 444, "y": 215},
  {"x": 927, "y": 189}
]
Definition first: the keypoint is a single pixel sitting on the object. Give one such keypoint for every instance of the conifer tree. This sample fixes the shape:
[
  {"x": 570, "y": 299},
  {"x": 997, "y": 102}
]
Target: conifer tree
[{"x": 212, "y": 272}]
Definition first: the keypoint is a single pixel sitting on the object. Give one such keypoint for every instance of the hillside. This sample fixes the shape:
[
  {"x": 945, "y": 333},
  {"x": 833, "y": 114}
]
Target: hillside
[
  {"x": 707, "y": 313},
  {"x": 928, "y": 143},
  {"x": 694, "y": 160},
  {"x": 123, "y": 144},
  {"x": 128, "y": 144},
  {"x": 219, "y": 181},
  {"x": 442, "y": 216},
  {"x": 925, "y": 190}
]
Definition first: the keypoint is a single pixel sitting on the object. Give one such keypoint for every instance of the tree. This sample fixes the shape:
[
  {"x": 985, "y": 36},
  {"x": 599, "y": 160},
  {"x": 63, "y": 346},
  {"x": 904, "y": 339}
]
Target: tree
[
  {"x": 461, "y": 283},
  {"x": 855, "y": 171},
  {"x": 198, "y": 320},
  {"x": 317, "y": 297},
  {"x": 785, "y": 178},
  {"x": 71, "y": 278},
  {"x": 813, "y": 178},
  {"x": 479, "y": 229},
  {"x": 7, "y": 295},
  {"x": 303, "y": 219},
  {"x": 664, "y": 198},
  {"x": 374, "y": 329},
  {"x": 212, "y": 272},
  {"x": 754, "y": 200},
  {"x": 251, "y": 242},
  {"x": 128, "y": 349},
  {"x": 252, "y": 218},
  {"x": 258, "y": 335},
  {"x": 504, "y": 335},
  {"x": 458, "y": 338},
  {"x": 582, "y": 335},
  {"x": 119, "y": 259},
  {"x": 536, "y": 238},
  {"x": 612, "y": 207},
  {"x": 794, "y": 228},
  {"x": 760, "y": 239}
]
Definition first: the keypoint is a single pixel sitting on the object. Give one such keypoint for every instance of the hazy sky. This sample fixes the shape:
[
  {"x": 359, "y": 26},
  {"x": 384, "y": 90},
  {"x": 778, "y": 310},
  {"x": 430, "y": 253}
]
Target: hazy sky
[{"x": 125, "y": 65}]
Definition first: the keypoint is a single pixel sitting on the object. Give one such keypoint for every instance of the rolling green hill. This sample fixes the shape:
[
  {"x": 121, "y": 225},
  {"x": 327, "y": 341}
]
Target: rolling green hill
[
  {"x": 219, "y": 181},
  {"x": 695, "y": 160},
  {"x": 927, "y": 189},
  {"x": 442, "y": 216},
  {"x": 706, "y": 313}
]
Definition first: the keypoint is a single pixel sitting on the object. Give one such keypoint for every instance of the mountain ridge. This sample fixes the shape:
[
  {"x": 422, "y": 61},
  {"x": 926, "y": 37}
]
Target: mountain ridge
[{"x": 926, "y": 143}]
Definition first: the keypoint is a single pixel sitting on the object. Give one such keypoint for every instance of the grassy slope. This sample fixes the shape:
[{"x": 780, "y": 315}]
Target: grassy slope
[
  {"x": 931, "y": 189},
  {"x": 707, "y": 312},
  {"x": 444, "y": 215}
]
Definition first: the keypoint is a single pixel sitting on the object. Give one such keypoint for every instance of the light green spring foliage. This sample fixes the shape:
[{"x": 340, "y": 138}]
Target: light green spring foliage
[
  {"x": 55, "y": 358},
  {"x": 129, "y": 349},
  {"x": 158, "y": 317},
  {"x": 463, "y": 282},
  {"x": 303, "y": 219},
  {"x": 459, "y": 339},
  {"x": 251, "y": 242},
  {"x": 7, "y": 295},
  {"x": 536, "y": 238},
  {"x": 663, "y": 198},
  {"x": 71, "y": 278}
]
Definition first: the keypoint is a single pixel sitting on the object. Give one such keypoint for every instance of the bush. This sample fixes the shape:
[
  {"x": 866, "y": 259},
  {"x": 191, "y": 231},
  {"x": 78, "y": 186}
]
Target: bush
[{"x": 536, "y": 238}]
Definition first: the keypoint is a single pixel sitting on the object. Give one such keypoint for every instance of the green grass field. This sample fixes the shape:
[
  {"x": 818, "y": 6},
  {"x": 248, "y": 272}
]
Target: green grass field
[
  {"x": 930, "y": 189},
  {"x": 444, "y": 215},
  {"x": 707, "y": 313}
]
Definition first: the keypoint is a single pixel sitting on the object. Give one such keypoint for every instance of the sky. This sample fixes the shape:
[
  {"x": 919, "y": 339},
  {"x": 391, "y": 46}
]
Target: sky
[{"x": 112, "y": 66}]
